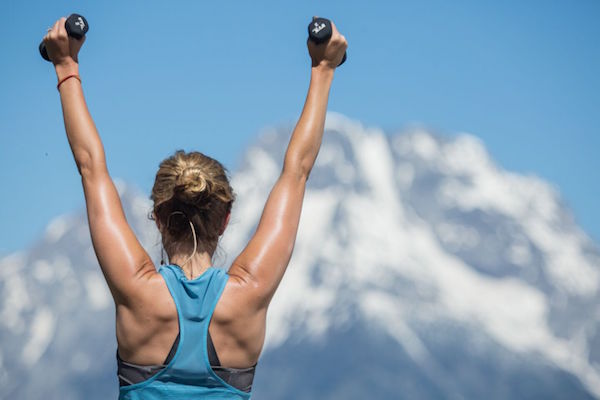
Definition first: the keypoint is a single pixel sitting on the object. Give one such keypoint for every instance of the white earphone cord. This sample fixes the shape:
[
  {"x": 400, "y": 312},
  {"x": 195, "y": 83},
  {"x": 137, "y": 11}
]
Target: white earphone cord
[
  {"x": 195, "y": 241},
  {"x": 195, "y": 246}
]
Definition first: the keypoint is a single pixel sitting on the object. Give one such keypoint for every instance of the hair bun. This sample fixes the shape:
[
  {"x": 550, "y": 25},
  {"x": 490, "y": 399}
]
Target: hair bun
[{"x": 191, "y": 185}]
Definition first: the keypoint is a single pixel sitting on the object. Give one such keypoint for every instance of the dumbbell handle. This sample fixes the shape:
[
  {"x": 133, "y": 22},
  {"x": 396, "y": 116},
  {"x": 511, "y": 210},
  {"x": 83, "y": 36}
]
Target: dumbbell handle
[
  {"x": 76, "y": 26},
  {"x": 320, "y": 31}
]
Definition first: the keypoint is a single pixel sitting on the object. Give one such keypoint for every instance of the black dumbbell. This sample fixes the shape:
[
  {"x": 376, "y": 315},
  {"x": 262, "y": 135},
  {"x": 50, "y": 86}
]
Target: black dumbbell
[
  {"x": 319, "y": 31},
  {"x": 76, "y": 26}
]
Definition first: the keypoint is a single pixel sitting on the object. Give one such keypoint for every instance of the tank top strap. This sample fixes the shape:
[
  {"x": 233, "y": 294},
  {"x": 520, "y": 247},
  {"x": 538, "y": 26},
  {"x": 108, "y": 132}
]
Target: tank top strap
[{"x": 195, "y": 300}]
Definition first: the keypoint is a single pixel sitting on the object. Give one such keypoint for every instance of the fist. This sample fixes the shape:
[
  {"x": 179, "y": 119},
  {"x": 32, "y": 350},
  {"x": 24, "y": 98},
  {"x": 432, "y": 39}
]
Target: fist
[
  {"x": 61, "y": 48},
  {"x": 330, "y": 53}
]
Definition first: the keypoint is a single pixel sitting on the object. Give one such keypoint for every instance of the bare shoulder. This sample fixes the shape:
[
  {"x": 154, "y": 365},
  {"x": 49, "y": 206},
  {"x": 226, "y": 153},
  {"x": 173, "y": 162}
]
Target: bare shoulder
[
  {"x": 151, "y": 297},
  {"x": 237, "y": 329},
  {"x": 234, "y": 300},
  {"x": 147, "y": 322},
  {"x": 157, "y": 293}
]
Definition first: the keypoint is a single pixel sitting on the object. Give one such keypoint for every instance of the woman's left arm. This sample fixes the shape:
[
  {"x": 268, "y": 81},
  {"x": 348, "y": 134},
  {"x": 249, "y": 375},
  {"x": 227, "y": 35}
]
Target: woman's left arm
[{"x": 123, "y": 260}]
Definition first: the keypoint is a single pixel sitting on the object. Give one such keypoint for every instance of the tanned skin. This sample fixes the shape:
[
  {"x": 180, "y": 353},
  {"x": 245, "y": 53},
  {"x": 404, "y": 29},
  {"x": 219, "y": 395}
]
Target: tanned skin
[{"x": 146, "y": 317}]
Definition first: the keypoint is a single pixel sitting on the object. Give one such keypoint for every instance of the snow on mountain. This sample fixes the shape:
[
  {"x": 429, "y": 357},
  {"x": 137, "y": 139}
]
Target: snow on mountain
[
  {"x": 421, "y": 239},
  {"x": 415, "y": 228}
]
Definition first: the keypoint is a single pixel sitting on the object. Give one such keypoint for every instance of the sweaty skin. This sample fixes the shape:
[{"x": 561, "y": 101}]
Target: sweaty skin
[{"x": 146, "y": 317}]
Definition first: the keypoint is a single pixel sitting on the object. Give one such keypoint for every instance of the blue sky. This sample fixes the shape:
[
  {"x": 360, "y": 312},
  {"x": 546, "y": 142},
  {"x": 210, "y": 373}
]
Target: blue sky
[{"x": 158, "y": 76}]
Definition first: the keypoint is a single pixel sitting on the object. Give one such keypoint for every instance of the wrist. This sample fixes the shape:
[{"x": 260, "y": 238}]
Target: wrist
[
  {"x": 322, "y": 71},
  {"x": 66, "y": 69}
]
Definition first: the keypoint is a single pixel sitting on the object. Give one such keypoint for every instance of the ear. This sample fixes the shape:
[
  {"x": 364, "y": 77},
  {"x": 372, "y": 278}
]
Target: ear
[{"x": 225, "y": 223}]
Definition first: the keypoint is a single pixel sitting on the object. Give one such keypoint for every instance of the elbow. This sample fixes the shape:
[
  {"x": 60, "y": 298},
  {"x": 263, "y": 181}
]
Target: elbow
[
  {"x": 83, "y": 163},
  {"x": 88, "y": 164},
  {"x": 298, "y": 167},
  {"x": 305, "y": 169}
]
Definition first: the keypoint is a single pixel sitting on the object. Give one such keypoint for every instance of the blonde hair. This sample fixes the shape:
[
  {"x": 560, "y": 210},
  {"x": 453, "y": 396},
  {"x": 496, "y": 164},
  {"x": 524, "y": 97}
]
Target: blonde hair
[{"x": 191, "y": 188}]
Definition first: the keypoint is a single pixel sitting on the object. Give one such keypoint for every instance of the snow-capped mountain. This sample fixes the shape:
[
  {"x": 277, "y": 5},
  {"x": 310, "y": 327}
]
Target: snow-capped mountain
[{"x": 421, "y": 270}]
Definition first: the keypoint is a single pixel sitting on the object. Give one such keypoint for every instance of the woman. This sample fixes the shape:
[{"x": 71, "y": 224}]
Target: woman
[{"x": 190, "y": 329}]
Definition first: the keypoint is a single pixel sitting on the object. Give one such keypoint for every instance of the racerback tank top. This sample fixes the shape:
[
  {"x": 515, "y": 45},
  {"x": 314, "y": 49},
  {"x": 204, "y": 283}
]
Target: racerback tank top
[{"x": 188, "y": 374}]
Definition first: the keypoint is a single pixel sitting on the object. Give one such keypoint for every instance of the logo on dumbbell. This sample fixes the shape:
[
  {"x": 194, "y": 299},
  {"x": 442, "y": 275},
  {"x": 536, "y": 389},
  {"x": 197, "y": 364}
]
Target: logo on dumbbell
[
  {"x": 318, "y": 27},
  {"x": 80, "y": 23}
]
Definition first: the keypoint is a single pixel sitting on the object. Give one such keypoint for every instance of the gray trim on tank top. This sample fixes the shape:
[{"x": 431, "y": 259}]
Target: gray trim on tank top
[{"x": 240, "y": 378}]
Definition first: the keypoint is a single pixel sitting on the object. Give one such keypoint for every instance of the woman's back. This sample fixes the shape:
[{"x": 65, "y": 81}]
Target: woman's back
[
  {"x": 238, "y": 337},
  {"x": 189, "y": 371}
]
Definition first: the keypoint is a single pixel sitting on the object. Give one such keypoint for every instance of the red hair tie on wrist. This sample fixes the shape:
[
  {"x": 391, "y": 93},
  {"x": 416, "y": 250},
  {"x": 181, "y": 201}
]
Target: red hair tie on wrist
[{"x": 67, "y": 77}]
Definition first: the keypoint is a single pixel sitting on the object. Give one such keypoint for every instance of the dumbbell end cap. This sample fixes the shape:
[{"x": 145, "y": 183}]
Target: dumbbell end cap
[
  {"x": 319, "y": 30},
  {"x": 43, "y": 51},
  {"x": 77, "y": 26}
]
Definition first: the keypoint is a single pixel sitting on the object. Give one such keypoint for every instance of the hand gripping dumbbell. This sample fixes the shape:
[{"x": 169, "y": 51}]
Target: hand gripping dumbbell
[
  {"x": 319, "y": 31},
  {"x": 76, "y": 26}
]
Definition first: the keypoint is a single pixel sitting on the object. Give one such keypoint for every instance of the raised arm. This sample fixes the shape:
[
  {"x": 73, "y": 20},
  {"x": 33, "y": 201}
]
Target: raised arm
[
  {"x": 261, "y": 265},
  {"x": 122, "y": 259}
]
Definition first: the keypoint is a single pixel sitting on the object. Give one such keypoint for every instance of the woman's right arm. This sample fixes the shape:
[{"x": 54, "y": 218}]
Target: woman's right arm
[
  {"x": 261, "y": 265},
  {"x": 124, "y": 262}
]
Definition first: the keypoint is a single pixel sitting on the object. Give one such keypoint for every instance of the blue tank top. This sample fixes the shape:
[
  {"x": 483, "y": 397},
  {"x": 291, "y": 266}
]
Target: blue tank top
[{"x": 188, "y": 374}]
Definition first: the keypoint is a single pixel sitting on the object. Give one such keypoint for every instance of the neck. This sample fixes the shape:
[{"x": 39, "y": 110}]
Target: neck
[{"x": 195, "y": 267}]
